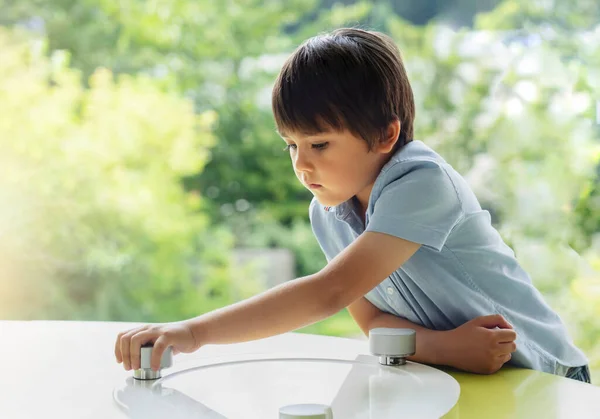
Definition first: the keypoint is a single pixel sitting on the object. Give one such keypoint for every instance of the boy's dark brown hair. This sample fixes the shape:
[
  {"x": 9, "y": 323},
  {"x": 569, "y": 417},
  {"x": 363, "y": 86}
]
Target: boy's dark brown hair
[{"x": 348, "y": 79}]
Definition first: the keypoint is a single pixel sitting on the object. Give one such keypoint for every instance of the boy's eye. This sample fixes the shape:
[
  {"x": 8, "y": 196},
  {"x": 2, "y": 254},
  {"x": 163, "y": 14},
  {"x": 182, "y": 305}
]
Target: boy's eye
[
  {"x": 319, "y": 146},
  {"x": 289, "y": 146}
]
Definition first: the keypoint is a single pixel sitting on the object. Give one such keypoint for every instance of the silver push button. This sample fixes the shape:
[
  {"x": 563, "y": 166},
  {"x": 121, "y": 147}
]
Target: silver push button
[
  {"x": 392, "y": 345},
  {"x": 145, "y": 372}
]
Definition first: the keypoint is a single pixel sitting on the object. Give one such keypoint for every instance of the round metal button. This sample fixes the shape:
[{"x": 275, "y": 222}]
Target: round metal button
[{"x": 306, "y": 411}]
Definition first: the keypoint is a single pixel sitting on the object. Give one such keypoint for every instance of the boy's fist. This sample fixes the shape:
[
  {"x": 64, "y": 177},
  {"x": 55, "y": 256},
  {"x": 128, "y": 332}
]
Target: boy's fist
[{"x": 481, "y": 345}]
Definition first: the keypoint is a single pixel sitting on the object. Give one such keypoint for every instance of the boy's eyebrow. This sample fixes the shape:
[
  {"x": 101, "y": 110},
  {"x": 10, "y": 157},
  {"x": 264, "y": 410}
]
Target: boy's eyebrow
[{"x": 284, "y": 135}]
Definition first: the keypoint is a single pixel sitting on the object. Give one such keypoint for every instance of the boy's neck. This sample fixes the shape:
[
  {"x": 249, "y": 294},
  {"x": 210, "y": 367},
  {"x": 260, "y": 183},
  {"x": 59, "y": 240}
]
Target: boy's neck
[
  {"x": 362, "y": 198},
  {"x": 362, "y": 202}
]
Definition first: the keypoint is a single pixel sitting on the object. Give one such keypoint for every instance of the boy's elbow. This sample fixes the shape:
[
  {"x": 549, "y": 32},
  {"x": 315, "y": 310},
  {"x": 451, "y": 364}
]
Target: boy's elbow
[
  {"x": 336, "y": 300},
  {"x": 333, "y": 292},
  {"x": 330, "y": 299},
  {"x": 364, "y": 329}
]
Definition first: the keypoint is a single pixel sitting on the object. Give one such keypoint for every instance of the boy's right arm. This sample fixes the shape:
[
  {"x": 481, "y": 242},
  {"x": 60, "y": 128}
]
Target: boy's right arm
[{"x": 481, "y": 345}]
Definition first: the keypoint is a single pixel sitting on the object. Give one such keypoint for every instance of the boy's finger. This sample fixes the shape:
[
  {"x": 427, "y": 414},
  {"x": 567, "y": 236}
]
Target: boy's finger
[
  {"x": 493, "y": 320},
  {"x": 135, "y": 346},
  {"x": 507, "y": 348},
  {"x": 118, "y": 353},
  {"x": 159, "y": 347},
  {"x": 125, "y": 339},
  {"x": 505, "y": 335},
  {"x": 126, "y": 348},
  {"x": 118, "y": 348}
]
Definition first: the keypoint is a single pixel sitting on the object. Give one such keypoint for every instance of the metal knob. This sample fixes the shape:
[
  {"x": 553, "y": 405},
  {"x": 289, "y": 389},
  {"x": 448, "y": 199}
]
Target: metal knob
[
  {"x": 305, "y": 411},
  {"x": 392, "y": 345},
  {"x": 145, "y": 372}
]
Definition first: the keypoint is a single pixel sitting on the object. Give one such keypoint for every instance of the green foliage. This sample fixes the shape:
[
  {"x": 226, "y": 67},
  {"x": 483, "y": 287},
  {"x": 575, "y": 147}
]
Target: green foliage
[
  {"x": 99, "y": 226},
  {"x": 574, "y": 15}
]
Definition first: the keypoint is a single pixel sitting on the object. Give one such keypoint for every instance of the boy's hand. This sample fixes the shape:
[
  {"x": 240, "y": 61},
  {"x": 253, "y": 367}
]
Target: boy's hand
[
  {"x": 178, "y": 335},
  {"x": 481, "y": 345}
]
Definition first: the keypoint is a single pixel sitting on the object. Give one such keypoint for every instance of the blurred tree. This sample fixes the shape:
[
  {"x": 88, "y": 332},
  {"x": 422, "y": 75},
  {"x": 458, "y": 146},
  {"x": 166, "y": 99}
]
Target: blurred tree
[
  {"x": 533, "y": 16},
  {"x": 223, "y": 56},
  {"x": 419, "y": 12},
  {"x": 571, "y": 28},
  {"x": 98, "y": 226}
]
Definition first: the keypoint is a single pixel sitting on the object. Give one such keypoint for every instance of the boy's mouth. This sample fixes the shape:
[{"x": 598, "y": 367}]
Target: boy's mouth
[{"x": 314, "y": 185}]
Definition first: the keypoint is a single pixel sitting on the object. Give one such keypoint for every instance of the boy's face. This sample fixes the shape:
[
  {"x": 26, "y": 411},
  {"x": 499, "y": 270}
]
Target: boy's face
[{"x": 335, "y": 166}]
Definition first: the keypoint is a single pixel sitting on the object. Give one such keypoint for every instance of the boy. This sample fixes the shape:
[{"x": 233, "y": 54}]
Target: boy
[{"x": 406, "y": 240}]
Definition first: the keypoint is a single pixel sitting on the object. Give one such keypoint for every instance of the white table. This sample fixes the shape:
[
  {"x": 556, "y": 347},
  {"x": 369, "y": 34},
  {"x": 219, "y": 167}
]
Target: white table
[{"x": 67, "y": 369}]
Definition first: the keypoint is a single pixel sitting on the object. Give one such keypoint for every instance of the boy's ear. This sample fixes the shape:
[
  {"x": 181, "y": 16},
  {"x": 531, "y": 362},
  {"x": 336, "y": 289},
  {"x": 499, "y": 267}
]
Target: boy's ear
[{"x": 391, "y": 137}]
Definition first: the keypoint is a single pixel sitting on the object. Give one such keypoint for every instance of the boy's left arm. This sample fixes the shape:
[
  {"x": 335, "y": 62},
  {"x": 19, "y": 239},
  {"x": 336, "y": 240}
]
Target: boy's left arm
[{"x": 370, "y": 259}]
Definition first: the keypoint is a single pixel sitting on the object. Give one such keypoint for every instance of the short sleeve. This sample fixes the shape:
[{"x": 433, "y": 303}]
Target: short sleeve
[{"x": 421, "y": 206}]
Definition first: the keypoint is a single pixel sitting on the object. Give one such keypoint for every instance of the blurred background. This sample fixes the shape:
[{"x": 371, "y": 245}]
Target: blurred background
[{"x": 141, "y": 177}]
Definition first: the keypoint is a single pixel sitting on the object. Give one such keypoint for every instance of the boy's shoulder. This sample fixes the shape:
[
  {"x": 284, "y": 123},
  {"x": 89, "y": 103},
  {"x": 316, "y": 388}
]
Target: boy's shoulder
[
  {"x": 413, "y": 169},
  {"x": 413, "y": 155}
]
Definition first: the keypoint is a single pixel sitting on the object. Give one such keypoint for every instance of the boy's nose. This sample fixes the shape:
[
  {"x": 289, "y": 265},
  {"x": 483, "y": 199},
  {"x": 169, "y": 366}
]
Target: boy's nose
[{"x": 302, "y": 162}]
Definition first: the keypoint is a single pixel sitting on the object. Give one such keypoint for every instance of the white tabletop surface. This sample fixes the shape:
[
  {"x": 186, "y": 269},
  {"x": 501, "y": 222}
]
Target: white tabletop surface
[{"x": 67, "y": 369}]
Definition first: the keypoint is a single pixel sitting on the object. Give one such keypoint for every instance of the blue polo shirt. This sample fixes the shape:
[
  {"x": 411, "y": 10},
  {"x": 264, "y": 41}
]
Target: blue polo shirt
[{"x": 463, "y": 268}]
